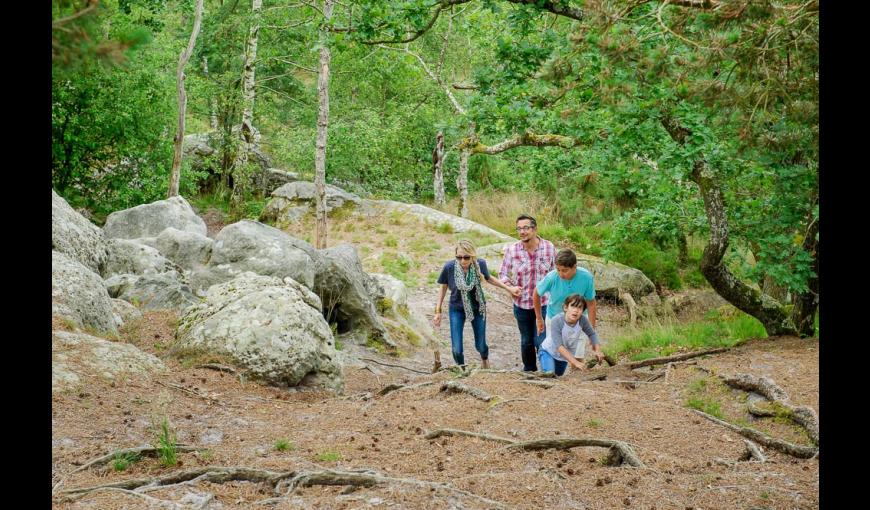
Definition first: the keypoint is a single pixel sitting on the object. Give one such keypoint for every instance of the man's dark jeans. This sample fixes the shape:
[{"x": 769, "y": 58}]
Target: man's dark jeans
[{"x": 530, "y": 340}]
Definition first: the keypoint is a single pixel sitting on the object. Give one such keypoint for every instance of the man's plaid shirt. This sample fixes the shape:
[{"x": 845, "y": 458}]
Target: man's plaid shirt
[{"x": 524, "y": 270}]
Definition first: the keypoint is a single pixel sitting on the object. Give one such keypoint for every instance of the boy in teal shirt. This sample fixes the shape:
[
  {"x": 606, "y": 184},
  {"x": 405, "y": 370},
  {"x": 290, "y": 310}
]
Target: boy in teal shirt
[{"x": 567, "y": 279}]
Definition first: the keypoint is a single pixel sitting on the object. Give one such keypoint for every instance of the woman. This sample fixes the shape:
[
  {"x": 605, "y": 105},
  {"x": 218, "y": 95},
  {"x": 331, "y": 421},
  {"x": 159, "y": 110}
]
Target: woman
[{"x": 464, "y": 277}]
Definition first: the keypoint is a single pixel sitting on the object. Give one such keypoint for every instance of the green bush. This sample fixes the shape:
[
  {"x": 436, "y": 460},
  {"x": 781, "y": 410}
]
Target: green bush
[{"x": 658, "y": 265}]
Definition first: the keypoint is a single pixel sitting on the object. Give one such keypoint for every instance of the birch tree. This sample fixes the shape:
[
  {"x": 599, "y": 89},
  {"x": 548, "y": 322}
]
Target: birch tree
[
  {"x": 248, "y": 95},
  {"x": 175, "y": 174},
  {"x": 438, "y": 160},
  {"x": 322, "y": 125}
]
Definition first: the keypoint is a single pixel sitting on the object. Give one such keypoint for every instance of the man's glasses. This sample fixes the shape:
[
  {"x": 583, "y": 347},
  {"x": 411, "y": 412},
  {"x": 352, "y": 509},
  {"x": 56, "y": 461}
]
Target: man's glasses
[
  {"x": 524, "y": 229},
  {"x": 463, "y": 257}
]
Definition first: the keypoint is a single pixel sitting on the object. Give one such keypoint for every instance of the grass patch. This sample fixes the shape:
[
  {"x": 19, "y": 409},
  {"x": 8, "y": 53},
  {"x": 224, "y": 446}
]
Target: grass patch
[
  {"x": 423, "y": 246},
  {"x": 594, "y": 423},
  {"x": 328, "y": 456},
  {"x": 166, "y": 446},
  {"x": 339, "y": 345},
  {"x": 499, "y": 210},
  {"x": 398, "y": 266},
  {"x": 432, "y": 277},
  {"x": 444, "y": 228},
  {"x": 122, "y": 461},
  {"x": 282, "y": 445},
  {"x": 664, "y": 340},
  {"x": 478, "y": 239},
  {"x": 706, "y": 405},
  {"x": 390, "y": 241}
]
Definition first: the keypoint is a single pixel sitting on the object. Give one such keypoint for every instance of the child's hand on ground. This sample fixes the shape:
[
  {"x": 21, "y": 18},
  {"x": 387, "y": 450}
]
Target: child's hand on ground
[{"x": 579, "y": 365}]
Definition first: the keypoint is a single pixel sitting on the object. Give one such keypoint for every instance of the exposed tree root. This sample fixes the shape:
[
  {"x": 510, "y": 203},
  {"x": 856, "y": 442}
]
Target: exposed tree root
[
  {"x": 677, "y": 357},
  {"x": 400, "y": 387},
  {"x": 148, "y": 451},
  {"x": 191, "y": 392},
  {"x": 396, "y": 366},
  {"x": 804, "y": 416},
  {"x": 542, "y": 384},
  {"x": 455, "y": 432},
  {"x": 213, "y": 474},
  {"x": 752, "y": 452},
  {"x": 458, "y": 387},
  {"x": 276, "y": 480},
  {"x": 620, "y": 453},
  {"x": 799, "y": 451}
]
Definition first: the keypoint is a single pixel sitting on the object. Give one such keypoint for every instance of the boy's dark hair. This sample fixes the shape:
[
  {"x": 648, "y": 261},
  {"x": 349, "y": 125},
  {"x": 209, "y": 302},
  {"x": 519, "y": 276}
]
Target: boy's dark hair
[
  {"x": 575, "y": 300},
  {"x": 526, "y": 217},
  {"x": 566, "y": 258}
]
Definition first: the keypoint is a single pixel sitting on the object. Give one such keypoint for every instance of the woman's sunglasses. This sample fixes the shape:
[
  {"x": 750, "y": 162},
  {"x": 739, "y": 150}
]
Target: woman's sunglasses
[{"x": 463, "y": 257}]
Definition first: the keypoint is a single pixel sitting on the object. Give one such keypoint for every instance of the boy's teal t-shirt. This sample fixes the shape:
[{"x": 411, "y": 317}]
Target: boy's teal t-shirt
[{"x": 582, "y": 283}]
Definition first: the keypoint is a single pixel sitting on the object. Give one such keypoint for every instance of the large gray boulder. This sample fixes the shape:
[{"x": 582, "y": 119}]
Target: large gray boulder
[
  {"x": 274, "y": 178},
  {"x": 190, "y": 250},
  {"x": 124, "y": 311},
  {"x": 161, "y": 291},
  {"x": 78, "y": 295},
  {"x": 292, "y": 200},
  {"x": 128, "y": 256},
  {"x": 252, "y": 246},
  {"x": 75, "y": 356},
  {"x": 272, "y": 328},
  {"x": 75, "y": 236},
  {"x": 149, "y": 220},
  {"x": 346, "y": 292},
  {"x": 432, "y": 217}
]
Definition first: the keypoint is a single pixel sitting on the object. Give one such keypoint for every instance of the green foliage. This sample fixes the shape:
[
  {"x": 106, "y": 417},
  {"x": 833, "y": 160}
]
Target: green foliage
[
  {"x": 658, "y": 265},
  {"x": 594, "y": 423},
  {"x": 399, "y": 266}
]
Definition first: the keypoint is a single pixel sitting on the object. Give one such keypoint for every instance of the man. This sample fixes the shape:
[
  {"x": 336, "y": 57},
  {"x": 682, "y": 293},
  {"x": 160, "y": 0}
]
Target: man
[
  {"x": 567, "y": 279},
  {"x": 525, "y": 264}
]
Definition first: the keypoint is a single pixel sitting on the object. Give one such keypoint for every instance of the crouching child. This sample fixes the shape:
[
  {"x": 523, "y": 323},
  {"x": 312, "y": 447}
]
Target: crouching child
[{"x": 566, "y": 342}]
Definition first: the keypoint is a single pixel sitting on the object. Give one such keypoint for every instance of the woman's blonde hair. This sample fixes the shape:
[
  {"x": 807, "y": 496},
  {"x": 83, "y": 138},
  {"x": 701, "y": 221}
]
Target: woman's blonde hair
[{"x": 468, "y": 247}]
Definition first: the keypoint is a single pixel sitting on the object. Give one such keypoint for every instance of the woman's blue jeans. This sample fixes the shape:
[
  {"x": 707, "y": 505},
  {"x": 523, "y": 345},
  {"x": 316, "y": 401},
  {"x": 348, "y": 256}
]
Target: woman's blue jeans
[
  {"x": 478, "y": 326},
  {"x": 551, "y": 364}
]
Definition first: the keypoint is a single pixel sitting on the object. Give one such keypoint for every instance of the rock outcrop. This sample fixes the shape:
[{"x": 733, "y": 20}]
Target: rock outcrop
[
  {"x": 78, "y": 295},
  {"x": 149, "y": 220},
  {"x": 73, "y": 235}
]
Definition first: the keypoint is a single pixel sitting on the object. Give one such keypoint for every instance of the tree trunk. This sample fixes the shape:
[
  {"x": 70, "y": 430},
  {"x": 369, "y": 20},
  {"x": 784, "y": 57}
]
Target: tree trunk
[
  {"x": 212, "y": 114},
  {"x": 805, "y": 304},
  {"x": 322, "y": 124},
  {"x": 175, "y": 173},
  {"x": 757, "y": 304},
  {"x": 438, "y": 160},
  {"x": 248, "y": 94},
  {"x": 462, "y": 182}
]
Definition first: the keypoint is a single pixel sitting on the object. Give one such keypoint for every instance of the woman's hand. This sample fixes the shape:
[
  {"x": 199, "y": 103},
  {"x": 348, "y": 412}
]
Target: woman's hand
[{"x": 437, "y": 320}]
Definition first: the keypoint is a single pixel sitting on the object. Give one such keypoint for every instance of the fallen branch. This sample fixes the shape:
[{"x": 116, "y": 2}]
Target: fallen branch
[
  {"x": 620, "y": 453},
  {"x": 455, "y": 432},
  {"x": 677, "y": 357},
  {"x": 799, "y": 451},
  {"x": 401, "y": 387},
  {"x": 396, "y": 366},
  {"x": 140, "y": 450},
  {"x": 804, "y": 416},
  {"x": 458, "y": 387}
]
